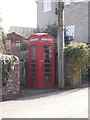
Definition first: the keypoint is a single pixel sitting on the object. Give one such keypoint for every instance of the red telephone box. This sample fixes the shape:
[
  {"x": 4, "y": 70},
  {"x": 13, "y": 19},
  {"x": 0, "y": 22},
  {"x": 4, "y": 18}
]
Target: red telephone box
[{"x": 41, "y": 61}]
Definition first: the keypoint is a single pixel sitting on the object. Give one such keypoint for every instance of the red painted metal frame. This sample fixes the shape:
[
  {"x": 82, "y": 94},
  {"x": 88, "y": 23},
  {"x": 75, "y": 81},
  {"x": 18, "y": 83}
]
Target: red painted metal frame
[{"x": 40, "y": 83}]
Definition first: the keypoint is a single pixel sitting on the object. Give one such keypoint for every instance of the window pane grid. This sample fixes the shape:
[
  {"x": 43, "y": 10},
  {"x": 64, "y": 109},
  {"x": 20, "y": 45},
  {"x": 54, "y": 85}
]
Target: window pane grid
[{"x": 46, "y": 5}]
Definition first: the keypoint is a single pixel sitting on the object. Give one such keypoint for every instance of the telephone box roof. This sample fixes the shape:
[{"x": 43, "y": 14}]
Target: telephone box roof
[{"x": 40, "y": 35}]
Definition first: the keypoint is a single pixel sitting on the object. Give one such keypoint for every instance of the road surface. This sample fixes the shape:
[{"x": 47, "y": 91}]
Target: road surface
[{"x": 66, "y": 104}]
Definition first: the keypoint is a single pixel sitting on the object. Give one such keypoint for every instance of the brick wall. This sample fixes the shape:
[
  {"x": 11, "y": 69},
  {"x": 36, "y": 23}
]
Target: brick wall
[{"x": 12, "y": 88}]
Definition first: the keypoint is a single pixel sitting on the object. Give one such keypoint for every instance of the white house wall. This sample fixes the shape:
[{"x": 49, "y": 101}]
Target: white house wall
[
  {"x": 77, "y": 14},
  {"x": 45, "y": 18}
]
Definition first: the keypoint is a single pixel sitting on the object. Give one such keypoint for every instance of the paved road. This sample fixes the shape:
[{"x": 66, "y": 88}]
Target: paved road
[{"x": 66, "y": 104}]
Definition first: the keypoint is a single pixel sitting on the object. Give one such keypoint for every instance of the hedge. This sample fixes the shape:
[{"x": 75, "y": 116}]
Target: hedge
[{"x": 79, "y": 53}]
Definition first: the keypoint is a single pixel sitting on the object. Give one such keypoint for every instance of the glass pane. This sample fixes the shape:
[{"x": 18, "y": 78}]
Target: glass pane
[
  {"x": 33, "y": 56},
  {"x": 34, "y": 74},
  {"x": 33, "y": 47},
  {"x": 46, "y": 5},
  {"x": 46, "y": 51},
  {"x": 47, "y": 70},
  {"x": 33, "y": 65},
  {"x": 46, "y": 46},
  {"x": 33, "y": 79},
  {"x": 33, "y": 51},
  {"x": 47, "y": 65},
  {"x": 33, "y": 70},
  {"x": 47, "y": 56},
  {"x": 33, "y": 61},
  {"x": 47, "y": 60},
  {"x": 47, "y": 75}
]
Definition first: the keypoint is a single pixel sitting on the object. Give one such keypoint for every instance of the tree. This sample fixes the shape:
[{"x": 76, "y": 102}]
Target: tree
[
  {"x": 0, "y": 29},
  {"x": 2, "y": 36},
  {"x": 52, "y": 29},
  {"x": 49, "y": 29}
]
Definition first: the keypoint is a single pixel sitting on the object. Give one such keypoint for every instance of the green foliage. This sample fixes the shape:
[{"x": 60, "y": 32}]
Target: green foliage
[
  {"x": 24, "y": 46},
  {"x": 84, "y": 75},
  {"x": 2, "y": 36},
  {"x": 52, "y": 30},
  {"x": 2, "y": 48},
  {"x": 89, "y": 56},
  {"x": 79, "y": 54},
  {"x": 49, "y": 29},
  {"x": 8, "y": 63}
]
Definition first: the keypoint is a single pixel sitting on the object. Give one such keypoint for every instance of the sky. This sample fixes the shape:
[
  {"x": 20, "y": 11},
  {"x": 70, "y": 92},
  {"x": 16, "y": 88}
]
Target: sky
[{"x": 21, "y": 13}]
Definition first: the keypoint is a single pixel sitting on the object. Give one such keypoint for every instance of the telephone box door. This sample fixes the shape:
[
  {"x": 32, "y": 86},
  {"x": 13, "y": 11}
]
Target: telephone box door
[
  {"x": 41, "y": 62},
  {"x": 47, "y": 65},
  {"x": 41, "y": 65},
  {"x": 33, "y": 65}
]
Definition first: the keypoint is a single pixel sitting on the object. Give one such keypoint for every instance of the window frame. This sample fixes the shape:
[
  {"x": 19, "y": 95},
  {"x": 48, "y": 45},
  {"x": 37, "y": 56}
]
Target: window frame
[
  {"x": 71, "y": 36},
  {"x": 46, "y": 5}
]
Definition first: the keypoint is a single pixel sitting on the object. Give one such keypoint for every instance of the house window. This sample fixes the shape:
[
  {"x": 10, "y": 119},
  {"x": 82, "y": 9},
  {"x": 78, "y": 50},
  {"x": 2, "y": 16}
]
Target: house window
[
  {"x": 66, "y": 2},
  {"x": 78, "y": 0},
  {"x": 8, "y": 42},
  {"x": 69, "y": 1},
  {"x": 17, "y": 44},
  {"x": 46, "y": 5},
  {"x": 69, "y": 34}
]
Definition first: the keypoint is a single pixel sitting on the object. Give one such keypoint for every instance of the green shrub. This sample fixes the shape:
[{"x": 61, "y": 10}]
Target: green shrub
[
  {"x": 24, "y": 46},
  {"x": 89, "y": 57},
  {"x": 2, "y": 49},
  {"x": 79, "y": 54},
  {"x": 51, "y": 29},
  {"x": 8, "y": 63}
]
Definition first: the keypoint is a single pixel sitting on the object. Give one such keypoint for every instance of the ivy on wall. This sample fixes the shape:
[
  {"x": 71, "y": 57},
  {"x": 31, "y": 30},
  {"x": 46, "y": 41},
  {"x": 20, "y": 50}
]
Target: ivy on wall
[{"x": 8, "y": 63}]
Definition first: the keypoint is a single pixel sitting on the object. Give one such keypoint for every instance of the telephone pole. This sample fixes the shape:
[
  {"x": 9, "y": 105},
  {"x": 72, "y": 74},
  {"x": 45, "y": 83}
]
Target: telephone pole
[{"x": 61, "y": 44}]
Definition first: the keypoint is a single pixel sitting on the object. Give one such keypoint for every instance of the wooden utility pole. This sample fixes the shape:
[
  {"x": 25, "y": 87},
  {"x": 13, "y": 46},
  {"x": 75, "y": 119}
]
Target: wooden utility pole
[{"x": 61, "y": 44}]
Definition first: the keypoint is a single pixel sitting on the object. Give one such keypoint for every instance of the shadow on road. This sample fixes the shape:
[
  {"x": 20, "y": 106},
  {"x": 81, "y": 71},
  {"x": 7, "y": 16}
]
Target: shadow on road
[{"x": 28, "y": 94}]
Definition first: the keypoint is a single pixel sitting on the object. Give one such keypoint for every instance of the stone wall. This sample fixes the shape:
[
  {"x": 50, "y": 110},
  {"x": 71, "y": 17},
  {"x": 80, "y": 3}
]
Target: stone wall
[
  {"x": 72, "y": 78},
  {"x": 12, "y": 88}
]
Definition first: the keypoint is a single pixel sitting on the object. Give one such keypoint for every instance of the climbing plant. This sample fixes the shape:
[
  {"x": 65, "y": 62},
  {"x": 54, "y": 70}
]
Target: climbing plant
[{"x": 7, "y": 63}]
